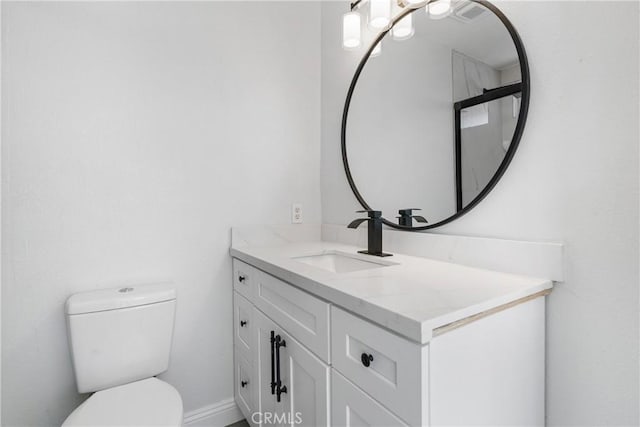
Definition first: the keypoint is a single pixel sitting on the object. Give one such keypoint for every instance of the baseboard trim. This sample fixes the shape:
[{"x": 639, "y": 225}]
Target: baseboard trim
[{"x": 217, "y": 414}]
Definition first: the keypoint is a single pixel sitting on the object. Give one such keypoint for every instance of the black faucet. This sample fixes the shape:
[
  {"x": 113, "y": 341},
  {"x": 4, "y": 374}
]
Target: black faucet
[
  {"x": 374, "y": 240},
  {"x": 406, "y": 217}
]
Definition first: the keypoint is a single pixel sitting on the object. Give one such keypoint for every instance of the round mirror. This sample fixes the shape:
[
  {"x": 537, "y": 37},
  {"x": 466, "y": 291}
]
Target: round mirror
[{"x": 432, "y": 121}]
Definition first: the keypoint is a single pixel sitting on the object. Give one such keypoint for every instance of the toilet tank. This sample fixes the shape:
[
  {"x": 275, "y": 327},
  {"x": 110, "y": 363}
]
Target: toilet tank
[{"x": 120, "y": 335}]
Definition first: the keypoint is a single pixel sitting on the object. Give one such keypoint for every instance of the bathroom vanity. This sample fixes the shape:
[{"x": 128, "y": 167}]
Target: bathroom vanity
[{"x": 325, "y": 336}]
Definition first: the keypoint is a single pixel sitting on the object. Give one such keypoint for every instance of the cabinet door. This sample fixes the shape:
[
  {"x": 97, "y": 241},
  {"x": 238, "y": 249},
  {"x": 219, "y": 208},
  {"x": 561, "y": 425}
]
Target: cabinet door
[
  {"x": 351, "y": 407},
  {"x": 265, "y": 366},
  {"x": 306, "y": 378}
]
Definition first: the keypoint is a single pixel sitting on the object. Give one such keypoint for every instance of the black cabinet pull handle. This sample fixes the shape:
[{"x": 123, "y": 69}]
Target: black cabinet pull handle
[
  {"x": 279, "y": 387},
  {"x": 366, "y": 359},
  {"x": 241, "y": 278},
  {"x": 243, "y": 384},
  {"x": 243, "y": 323},
  {"x": 273, "y": 377}
]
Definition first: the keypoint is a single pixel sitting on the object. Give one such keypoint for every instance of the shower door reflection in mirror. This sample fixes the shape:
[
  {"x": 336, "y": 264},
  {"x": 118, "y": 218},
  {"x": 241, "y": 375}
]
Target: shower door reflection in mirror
[{"x": 485, "y": 120}]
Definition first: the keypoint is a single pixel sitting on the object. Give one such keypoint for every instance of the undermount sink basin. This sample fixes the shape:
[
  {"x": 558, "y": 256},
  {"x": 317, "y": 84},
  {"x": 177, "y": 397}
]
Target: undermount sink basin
[{"x": 337, "y": 262}]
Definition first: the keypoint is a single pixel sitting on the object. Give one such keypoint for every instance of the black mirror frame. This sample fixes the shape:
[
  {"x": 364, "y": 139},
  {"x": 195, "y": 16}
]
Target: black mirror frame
[{"x": 515, "y": 141}]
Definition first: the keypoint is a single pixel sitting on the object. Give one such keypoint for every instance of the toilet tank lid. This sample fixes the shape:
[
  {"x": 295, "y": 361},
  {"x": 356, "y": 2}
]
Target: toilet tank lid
[{"x": 121, "y": 297}]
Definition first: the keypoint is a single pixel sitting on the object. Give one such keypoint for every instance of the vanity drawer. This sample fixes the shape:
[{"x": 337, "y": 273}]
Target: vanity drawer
[
  {"x": 351, "y": 407},
  {"x": 242, "y": 323},
  {"x": 244, "y": 277},
  {"x": 391, "y": 369},
  {"x": 245, "y": 384},
  {"x": 302, "y": 315}
]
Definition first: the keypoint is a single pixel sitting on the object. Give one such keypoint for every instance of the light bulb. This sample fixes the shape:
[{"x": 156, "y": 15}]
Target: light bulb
[
  {"x": 403, "y": 29},
  {"x": 379, "y": 13},
  {"x": 351, "y": 30},
  {"x": 376, "y": 50},
  {"x": 439, "y": 9}
]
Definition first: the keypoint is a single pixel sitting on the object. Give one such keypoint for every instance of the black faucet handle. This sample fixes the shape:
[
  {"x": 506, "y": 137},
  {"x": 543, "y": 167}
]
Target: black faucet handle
[
  {"x": 374, "y": 216},
  {"x": 356, "y": 222},
  {"x": 406, "y": 217},
  {"x": 408, "y": 213},
  {"x": 372, "y": 213}
]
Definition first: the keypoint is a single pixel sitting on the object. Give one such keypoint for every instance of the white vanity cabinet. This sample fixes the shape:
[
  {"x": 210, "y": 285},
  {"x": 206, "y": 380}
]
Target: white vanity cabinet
[
  {"x": 340, "y": 369},
  {"x": 299, "y": 322}
]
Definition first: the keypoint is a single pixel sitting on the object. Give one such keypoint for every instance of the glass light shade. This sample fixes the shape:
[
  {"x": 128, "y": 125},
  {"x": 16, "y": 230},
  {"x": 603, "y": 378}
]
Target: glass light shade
[
  {"x": 413, "y": 1},
  {"x": 403, "y": 29},
  {"x": 351, "y": 30},
  {"x": 439, "y": 9},
  {"x": 376, "y": 50},
  {"x": 379, "y": 13}
]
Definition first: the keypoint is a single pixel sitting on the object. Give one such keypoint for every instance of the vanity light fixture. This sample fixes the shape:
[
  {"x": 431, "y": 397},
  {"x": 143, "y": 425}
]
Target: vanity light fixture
[
  {"x": 351, "y": 38},
  {"x": 379, "y": 13},
  {"x": 439, "y": 9},
  {"x": 379, "y": 16}
]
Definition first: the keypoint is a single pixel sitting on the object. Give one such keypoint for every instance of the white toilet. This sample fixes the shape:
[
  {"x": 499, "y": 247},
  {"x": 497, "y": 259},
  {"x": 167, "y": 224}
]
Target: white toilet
[{"x": 120, "y": 339}]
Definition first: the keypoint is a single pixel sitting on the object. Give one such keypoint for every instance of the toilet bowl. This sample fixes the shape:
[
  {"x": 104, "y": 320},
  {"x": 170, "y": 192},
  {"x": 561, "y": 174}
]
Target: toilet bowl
[
  {"x": 148, "y": 402},
  {"x": 120, "y": 339}
]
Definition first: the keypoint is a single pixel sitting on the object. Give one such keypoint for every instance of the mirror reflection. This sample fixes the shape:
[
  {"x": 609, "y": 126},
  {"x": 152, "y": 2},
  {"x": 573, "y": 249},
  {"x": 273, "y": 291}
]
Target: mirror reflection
[{"x": 433, "y": 116}]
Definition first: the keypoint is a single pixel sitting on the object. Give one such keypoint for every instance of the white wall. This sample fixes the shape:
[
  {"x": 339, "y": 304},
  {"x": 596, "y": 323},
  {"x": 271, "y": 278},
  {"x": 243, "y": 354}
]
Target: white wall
[
  {"x": 135, "y": 135},
  {"x": 574, "y": 179},
  {"x": 338, "y": 203}
]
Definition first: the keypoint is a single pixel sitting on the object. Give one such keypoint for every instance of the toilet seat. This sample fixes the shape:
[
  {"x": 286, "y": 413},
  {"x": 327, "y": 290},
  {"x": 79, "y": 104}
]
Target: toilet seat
[{"x": 148, "y": 402}]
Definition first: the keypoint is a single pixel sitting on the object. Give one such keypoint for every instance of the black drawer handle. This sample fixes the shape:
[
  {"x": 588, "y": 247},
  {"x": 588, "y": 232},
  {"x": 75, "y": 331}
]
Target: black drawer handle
[
  {"x": 366, "y": 359},
  {"x": 243, "y": 384},
  {"x": 241, "y": 278},
  {"x": 243, "y": 323},
  {"x": 273, "y": 362},
  {"x": 279, "y": 387}
]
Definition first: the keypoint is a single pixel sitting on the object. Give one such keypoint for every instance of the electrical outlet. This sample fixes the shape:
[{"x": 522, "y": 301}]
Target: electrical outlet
[{"x": 296, "y": 213}]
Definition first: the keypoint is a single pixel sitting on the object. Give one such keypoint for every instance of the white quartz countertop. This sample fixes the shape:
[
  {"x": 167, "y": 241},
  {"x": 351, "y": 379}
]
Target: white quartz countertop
[{"x": 413, "y": 297}]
